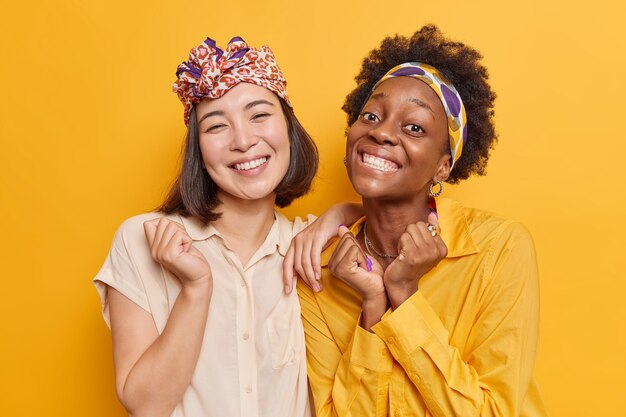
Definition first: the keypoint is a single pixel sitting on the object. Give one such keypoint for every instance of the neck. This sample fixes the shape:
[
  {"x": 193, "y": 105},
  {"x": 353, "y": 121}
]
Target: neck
[
  {"x": 244, "y": 224},
  {"x": 387, "y": 220}
]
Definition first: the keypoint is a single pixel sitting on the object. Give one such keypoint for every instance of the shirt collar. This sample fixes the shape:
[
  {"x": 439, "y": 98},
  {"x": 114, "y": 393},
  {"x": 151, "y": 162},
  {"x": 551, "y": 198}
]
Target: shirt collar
[
  {"x": 197, "y": 230},
  {"x": 455, "y": 231},
  {"x": 279, "y": 235},
  {"x": 285, "y": 232}
]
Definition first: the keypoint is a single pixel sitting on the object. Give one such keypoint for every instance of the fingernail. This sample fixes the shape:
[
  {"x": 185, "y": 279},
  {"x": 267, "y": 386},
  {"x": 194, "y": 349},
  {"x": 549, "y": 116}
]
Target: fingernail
[
  {"x": 316, "y": 287},
  {"x": 317, "y": 275},
  {"x": 341, "y": 225},
  {"x": 369, "y": 263},
  {"x": 287, "y": 289}
]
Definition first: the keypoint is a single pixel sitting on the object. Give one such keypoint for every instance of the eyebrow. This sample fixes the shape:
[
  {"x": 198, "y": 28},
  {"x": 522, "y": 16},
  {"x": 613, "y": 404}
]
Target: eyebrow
[
  {"x": 377, "y": 96},
  {"x": 247, "y": 107},
  {"x": 210, "y": 114},
  {"x": 421, "y": 104},
  {"x": 413, "y": 100},
  {"x": 256, "y": 103}
]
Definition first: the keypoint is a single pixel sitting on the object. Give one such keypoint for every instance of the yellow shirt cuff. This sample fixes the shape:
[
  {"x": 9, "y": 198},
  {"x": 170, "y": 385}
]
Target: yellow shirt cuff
[
  {"x": 410, "y": 326},
  {"x": 369, "y": 352}
]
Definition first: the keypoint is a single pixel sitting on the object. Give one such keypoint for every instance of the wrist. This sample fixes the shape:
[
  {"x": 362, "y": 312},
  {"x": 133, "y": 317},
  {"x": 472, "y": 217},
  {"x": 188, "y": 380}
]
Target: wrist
[
  {"x": 199, "y": 287},
  {"x": 372, "y": 311},
  {"x": 352, "y": 212},
  {"x": 399, "y": 292}
]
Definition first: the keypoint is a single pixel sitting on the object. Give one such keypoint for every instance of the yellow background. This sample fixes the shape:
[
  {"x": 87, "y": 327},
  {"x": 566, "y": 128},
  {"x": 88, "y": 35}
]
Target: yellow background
[{"x": 90, "y": 135}]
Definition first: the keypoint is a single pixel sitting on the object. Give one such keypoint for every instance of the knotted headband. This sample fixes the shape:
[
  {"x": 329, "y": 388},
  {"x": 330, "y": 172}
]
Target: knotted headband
[
  {"x": 211, "y": 72},
  {"x": 450, "y": 98}
]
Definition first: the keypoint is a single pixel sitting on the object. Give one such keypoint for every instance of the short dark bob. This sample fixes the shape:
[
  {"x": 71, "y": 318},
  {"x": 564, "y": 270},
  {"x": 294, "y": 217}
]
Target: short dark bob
[
  {"x": 461, "y": 65},
  {"x": 194, "y": 193}
]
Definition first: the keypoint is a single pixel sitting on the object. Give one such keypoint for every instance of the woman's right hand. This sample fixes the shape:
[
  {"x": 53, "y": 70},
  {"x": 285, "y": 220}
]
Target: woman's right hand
[
  {"x": 350, "y": 264},
  {"x": 364, "y": 274},
  {"x": 171, "y": 246}
]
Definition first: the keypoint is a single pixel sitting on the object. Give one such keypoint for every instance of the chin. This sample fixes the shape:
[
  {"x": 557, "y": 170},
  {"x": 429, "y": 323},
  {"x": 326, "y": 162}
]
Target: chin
[
  {"x": 260, "y": 194},
  {"x": 369, "y": 192}
]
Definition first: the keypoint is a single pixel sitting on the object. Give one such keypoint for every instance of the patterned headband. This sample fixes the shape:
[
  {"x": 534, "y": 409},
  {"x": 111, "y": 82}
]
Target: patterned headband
[
  {"x": 211, "y": 72},
  {"x": 450, "y": 98}
]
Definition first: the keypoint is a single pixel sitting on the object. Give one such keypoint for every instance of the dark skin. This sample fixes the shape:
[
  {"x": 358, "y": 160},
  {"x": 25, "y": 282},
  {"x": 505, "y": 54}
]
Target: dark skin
[
  {"x": 461, "y": 65},
  {"x": 396, "y": 148}
]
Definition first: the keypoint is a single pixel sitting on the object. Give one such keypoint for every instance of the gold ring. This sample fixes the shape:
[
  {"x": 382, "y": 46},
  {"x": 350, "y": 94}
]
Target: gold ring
[{"x": 434, "y": 230}]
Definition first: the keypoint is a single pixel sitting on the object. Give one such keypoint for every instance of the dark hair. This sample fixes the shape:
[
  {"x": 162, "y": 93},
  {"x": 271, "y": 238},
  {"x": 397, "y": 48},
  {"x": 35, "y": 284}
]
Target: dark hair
[
  {"x": 461, "y": 65},
  {"x": 194, "y": 193}
]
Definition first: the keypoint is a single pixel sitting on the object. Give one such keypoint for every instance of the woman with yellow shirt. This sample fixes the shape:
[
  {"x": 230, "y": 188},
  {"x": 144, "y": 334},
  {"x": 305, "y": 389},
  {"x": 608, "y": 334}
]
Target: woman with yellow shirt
[{"x": 423, "y": 307}]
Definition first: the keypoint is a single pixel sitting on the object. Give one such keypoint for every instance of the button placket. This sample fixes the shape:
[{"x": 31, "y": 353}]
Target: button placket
[{"x": 246, "y": 349}]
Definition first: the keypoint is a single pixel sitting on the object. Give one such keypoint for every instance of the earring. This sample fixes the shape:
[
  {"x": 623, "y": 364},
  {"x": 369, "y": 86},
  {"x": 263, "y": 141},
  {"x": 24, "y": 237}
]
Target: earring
[
  {"x": 430, "y": 189},
  {"x": 345, "y": 163}
]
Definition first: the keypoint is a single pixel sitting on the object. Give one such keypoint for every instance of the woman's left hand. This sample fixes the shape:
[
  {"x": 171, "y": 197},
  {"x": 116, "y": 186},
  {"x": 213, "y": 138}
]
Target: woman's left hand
[
  {"x": 419, "y": 252},
  {"x": 303, "y": 256}
]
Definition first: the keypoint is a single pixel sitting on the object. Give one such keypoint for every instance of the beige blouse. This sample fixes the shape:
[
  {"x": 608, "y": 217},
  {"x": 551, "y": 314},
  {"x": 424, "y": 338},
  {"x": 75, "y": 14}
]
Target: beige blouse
[{"x": 252, "y": 361}]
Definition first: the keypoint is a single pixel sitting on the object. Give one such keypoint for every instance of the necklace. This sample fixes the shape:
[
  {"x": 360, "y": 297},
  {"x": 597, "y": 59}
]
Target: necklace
[{"x": 370, "y": 247}]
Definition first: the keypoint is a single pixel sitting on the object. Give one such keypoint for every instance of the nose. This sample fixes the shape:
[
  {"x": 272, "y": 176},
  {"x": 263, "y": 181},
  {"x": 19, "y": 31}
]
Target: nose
[
  {"x": 384, "y": 133},
  {"x": 244, "y": 138}
]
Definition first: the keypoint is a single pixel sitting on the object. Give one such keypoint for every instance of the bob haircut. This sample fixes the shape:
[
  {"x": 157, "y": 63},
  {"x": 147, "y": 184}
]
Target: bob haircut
[{"x": 194, "y": 193}]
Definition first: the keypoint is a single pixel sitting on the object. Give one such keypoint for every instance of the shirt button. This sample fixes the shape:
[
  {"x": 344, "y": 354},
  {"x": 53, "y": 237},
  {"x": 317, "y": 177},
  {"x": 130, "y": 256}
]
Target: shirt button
[
  {"x": 246, "y": 336},
  {"x": 391, "y": 340},
  {"x": 248, "y": 389},
  {"x": 396, "y": 413},
  {"x": 242, "y": 282}
]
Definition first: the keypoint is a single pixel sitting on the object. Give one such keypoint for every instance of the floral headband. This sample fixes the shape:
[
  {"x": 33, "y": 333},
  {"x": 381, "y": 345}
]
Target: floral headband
[
  {"x": 450, "y": 98},
  {"x": 211, "y": 72}
]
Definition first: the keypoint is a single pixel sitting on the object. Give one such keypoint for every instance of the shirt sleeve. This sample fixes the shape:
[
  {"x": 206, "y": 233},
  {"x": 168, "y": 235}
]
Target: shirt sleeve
[
  {"x": 493, "y": 375},
  {"x": 120, "y": 270},
  {"x": 350, "y": 383}
]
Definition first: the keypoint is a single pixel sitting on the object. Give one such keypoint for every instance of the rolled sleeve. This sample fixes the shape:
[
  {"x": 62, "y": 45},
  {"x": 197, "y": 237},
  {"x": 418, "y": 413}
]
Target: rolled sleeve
[
  {"x": 370, "y": 352},
  {"x": 417, "y": 314}
]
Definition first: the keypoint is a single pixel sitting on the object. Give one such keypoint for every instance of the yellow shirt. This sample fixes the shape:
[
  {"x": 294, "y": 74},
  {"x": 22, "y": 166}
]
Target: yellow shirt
[
  {"x": 463, "y": 345},
  {"x": 252, "y": 361}
]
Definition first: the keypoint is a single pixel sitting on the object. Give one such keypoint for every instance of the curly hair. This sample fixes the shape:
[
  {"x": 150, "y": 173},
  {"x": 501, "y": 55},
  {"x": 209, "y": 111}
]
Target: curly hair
[{"x": 461, "y": 65}]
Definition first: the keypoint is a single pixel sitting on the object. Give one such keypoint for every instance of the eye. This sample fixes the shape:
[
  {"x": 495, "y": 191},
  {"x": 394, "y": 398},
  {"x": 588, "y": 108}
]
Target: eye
[
  {"x": 369, "y": 117},
  {"x": 414, "y": 129},
  {"x": 214, "y": 128},
  {"x": 258, "y": 117}
]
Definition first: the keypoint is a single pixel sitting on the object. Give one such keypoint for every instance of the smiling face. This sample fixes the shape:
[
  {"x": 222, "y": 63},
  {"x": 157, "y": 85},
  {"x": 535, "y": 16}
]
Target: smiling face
[
  {"x": 244, "y": 142},
  {"x": 399, "y": 143}
]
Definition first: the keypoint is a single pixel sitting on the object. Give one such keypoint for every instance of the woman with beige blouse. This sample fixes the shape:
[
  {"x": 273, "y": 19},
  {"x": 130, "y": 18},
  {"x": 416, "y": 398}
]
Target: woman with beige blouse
[{"x": 193, "y": 293}]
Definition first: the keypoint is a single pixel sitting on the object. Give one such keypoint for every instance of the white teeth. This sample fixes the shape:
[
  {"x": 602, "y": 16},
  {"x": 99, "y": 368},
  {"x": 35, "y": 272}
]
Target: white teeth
[
  {"x": 251, "y": 164},
  {"x": 379, "y": 163}
]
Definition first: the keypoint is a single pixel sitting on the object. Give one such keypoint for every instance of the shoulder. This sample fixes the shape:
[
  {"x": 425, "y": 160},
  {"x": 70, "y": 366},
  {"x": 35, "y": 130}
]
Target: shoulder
[
  {"x": 488, "y": 228},
  {"x": 493, "y": 237},
  {"x": 296, "y": 226},
  {"x": 135, "y": 223},
  {"x": 505, "y": 243},
  {"x": 131, "y": 232},
  {"x": 133, "y": 226}
]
